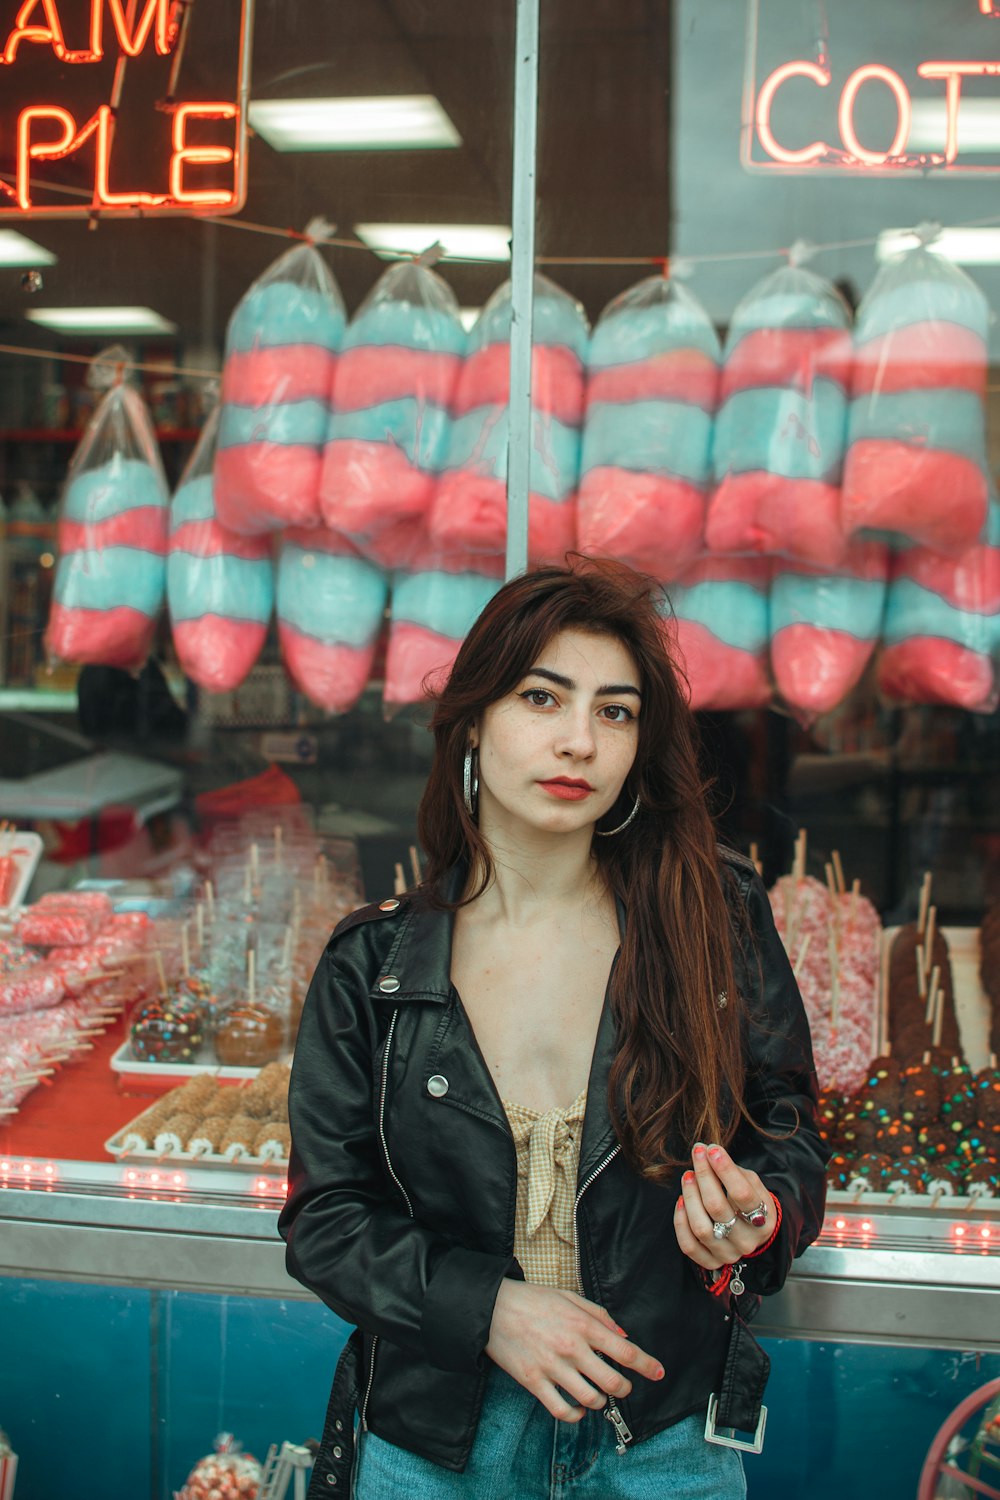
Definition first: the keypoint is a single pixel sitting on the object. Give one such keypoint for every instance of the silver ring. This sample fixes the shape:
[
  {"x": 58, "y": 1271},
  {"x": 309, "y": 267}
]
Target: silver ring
[
  {"x": 723, "y": 1231},
  {"x": 757, "y": 1217}
]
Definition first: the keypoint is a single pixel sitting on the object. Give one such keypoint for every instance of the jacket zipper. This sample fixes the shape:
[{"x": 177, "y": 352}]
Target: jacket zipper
[
  {"x": 612, "y": 1411},
  {"x": 392, "y": 1174}
]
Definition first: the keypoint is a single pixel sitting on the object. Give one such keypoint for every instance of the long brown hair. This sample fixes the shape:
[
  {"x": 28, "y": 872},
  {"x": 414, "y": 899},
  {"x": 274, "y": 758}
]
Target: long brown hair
[{"x": 678, "y": 1073}]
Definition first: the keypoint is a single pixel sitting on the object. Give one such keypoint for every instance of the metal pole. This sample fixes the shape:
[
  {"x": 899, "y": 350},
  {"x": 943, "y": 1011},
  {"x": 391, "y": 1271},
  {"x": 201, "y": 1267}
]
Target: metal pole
[{"x": 522, "y": 269}]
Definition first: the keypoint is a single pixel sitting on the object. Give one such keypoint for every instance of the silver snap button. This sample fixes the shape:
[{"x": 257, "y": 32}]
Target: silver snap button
[
  {"x": 339, "y": 1425},
  {"x": 331, "y": 1479},
  {"x": 389, "y": 905},
  {"x": 337, "y": 1452},
  {"x": 437, "y": 1086},
  {"x": 389, "y": 985}
]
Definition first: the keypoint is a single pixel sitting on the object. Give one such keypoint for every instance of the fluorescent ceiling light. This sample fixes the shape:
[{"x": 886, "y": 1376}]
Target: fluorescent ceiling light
[
  {"x": 17, "y": 250},
  {"x": 460, "y": 241},
  {"x": 967, "y": 247},
  {"x": 978, "y": 125},
  {"x": 100, "y": 320},
  {"x": 468, "y": 317},
  {"x": 381, "y": 122}
]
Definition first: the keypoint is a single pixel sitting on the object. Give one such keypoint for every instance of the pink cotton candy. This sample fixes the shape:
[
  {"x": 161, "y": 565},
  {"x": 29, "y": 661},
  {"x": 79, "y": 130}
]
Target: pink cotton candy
[
  {"x": 217, "y": 653},
  {"x": 929, "y": 669},
  {"x": 814, "y": 667},
  {"x": 557, "y": 381},
  {"x": 332, "y": 676},
  {"x": 372, "y": 493},
  {"x": 788, "y": 357},
  {"x": 687, "y": 375},
  {"x": 650, "y": 521},
  {"x": 936, "y": 497},
  {"x": 281, "y": 478},
  {"x": 262, "y": 377},
  {"x": 923, "y": 356},
  {"x": 763, "y": 512},
  {"x": 721, "y": 677},
  {"x": 119, "y": 637},
  {"x": 470, "y": 515},
  {"x": 145, "y": 527},
  {"x": 373, "y": 373},
  {"x": 417, "y": 661}
]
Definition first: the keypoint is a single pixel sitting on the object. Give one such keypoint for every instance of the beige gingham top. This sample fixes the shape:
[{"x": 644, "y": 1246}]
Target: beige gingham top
[{"x": 548, "y": 1155}]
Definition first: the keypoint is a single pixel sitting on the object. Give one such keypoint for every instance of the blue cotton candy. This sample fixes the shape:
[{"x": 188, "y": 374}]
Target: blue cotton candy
[
  {"x": 447, "y": 603},
  {"x": 407, "y": 325},
  {"x": 479, "y": 441},
  {"x": 194, "y": 501},
  {"x": 947, "y": 419},
  {"x": 735, "y": 613},
  {"x": 782, "y": 431},
  {"x": 915, "y": 611},
  {"x": 638, "y": 333},
  {"x": 652, "y": 437},
  {"x": 920, "y": 301},
  {"x": 110, "y": 578},
  {"x": 291, "y": 422},
  {"x": 851, "y": 605},
  {"x": 418, "y": 428},
  {"x": 120, "y": 485},
  {"x": 335, "y": 600},
  {"x": 558, "y": 319},
  {"x": 280, "y": 313},
  {"x": 235, "y": 588}
]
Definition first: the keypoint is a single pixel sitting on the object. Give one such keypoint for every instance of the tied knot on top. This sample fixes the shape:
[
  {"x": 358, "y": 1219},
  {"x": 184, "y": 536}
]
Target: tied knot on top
[{"x": 547, "y": 1151}]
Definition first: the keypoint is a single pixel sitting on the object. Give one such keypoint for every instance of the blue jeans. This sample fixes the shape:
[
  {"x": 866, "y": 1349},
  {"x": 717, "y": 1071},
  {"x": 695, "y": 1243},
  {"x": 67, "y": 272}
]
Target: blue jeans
[{"x": 520, "y": 1452}]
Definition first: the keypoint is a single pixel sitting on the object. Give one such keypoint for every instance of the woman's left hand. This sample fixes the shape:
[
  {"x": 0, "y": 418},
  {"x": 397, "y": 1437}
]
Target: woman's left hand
[{"x": 704, "y": 1203}]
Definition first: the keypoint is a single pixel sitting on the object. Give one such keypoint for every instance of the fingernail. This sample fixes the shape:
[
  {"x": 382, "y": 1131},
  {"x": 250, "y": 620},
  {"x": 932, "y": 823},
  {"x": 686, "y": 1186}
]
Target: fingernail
[
  {"x": 660, "y": 1372},
  {"x": 622, "y": 1332},
  {"x": 699, "y": 1148},
  {"x": 688, "y": 1177},
  {"x": 714, "y": 1152}
]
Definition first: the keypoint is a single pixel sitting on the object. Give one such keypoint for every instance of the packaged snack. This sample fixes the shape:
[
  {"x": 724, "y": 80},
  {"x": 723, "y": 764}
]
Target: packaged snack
[
  {"x": 782, "y": 423},
  {"x": 226, "y": 1474},
  {"x": 916, "y": 465},
  {"x": 389, "y": 431},
  {"x": 718, "y": 631},
  {"x": 331, "y": 603},
  {"x": 220, "y": 585},
  {"x": 469, "y": 512},
  {"x": 277, "y": 385},
  {"x": 652, "y": 391},
  {"x": 433, "y": 608},
  {"x": 112, "y": 536}
]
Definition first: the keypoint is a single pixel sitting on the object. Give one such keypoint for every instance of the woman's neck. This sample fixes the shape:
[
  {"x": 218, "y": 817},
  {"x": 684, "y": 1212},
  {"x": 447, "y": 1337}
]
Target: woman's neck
[{"x": 531, "y": 882}]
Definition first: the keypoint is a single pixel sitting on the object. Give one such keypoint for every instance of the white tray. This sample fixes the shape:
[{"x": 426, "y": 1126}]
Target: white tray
[
  {"x": 204, "y": 1061},
  {"x": 149, "y": 1157},
  {"x": 972, "y": 1006},
  {"x": 27, "y": 851}
]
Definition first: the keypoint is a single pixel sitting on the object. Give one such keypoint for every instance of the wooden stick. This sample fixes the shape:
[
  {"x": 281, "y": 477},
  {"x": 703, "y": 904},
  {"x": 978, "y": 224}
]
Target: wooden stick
[
  {"x": 839, "y": 871},
  {"x": 255, "y": 862},
  {"x": 938, "y": 1010},
  {"x": 399, "y": 884},
  {"x": 199, "y": 923},
  {"x": 929, "y": 991},
  {"x": 929, "y": 936},
  {"x": 922, "y": 977},
  {"x": 278, "y": 850},
  {"x": 415, "y": 865},
  {"x": 852, "y": 910},
  {"x": 802, "y": 853},
  {"x": 161, "y": 971},
  {"x": 210, "y": 898},
  {"x": 934, "y": 989},
  {"x": 251, "y": 976},
  {"x": 925, "y": 896},
  {"x": 800, "y": 957},
  {"x": 247, "y": 892},
  {"x": 831, "y": 880}
]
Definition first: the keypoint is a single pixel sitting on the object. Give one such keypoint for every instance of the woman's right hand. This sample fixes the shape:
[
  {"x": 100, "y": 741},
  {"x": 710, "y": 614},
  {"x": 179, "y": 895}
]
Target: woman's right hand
[{"x": 546, "y": 1338}]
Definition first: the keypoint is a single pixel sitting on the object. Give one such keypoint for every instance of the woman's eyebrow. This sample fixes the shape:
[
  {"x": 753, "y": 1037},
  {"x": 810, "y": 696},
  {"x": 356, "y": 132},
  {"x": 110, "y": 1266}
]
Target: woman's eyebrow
[{"x": 619, "y": 688}]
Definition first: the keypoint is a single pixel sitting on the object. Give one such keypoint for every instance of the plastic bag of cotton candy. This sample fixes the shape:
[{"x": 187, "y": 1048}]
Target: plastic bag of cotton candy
[
  {"x": 782, "y": 425},
  {"x": 652, "y": 388},
  {"x": 112, "y": 536},
  {"x": 392, "y": 394},
  {"x": 469, "y": 512},
  {"x": 434, "y": 604},
  {"x": 277, "y": 386},
  {"x": 716, "y": 623},
  {"x": 941, "y": 640},
  {"x": 330, "y": 607},
  {"x": 220, "y": 585},
  {"x": 916, "y": 468},
  {"x": 825, "y": 626}
]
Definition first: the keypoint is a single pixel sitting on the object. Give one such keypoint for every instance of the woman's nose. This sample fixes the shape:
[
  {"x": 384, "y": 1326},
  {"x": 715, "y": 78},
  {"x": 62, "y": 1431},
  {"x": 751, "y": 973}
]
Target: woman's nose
[{"x": 578, "y": 737}]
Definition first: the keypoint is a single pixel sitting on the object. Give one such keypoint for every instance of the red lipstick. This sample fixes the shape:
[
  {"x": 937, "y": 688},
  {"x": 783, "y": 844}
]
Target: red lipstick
[{"x": 566, "y": 788}]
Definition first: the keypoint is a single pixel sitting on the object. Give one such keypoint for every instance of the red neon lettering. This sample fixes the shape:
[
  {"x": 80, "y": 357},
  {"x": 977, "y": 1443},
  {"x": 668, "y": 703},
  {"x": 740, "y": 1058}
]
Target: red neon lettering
[
  {"x": 848, "y": 135},
  {"x": 133, "y": 43},
  {"x": 28, "y": 151},
  {"x": 798, "y": 69},
  {"x": 51, "y": 32},
  {"x": 953, "y": 73},
  {"x": 199, "y": 155},
  {"x": 102, "y": 190}
]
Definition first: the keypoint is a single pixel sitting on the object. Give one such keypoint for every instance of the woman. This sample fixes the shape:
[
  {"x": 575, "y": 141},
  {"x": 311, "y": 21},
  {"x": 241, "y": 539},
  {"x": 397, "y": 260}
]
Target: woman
[{"x": 553, "y": 1114}]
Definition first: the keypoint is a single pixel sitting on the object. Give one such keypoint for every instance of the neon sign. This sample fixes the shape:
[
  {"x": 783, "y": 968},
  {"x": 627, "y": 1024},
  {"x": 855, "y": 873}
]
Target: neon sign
[
  {"x": 191, "y": 152},
  {"x": 785, "y": 89}
]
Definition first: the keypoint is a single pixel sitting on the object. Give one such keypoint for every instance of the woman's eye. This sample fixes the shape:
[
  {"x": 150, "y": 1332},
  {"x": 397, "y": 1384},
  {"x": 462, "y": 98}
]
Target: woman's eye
[
  {"x": 618, "y": 713},
  {"x": 538, "y": 697}
]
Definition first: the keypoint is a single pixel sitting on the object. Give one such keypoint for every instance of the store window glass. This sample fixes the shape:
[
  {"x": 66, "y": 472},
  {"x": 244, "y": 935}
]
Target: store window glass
[
  {"x": 252, "y": 468},
  {"x": 775, "y": 216}
]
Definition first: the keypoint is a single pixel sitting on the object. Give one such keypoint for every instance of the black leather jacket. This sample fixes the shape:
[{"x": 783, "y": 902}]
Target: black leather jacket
[{"x": 403, "y": 1178}]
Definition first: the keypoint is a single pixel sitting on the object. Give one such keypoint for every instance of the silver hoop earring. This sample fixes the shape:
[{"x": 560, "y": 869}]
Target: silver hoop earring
[
  {"x": 609, "y": 833},
  {"x": 470, "y": 780}
]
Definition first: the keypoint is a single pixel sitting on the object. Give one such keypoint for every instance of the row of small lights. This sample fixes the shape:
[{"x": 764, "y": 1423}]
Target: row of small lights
[
  {"x": 27, "y": 1173},
  {"x": 866, "y": 1229}
]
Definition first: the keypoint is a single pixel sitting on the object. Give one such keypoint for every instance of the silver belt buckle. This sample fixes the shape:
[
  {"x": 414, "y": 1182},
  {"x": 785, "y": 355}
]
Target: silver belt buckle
[{"x": 754, "y": 1445}]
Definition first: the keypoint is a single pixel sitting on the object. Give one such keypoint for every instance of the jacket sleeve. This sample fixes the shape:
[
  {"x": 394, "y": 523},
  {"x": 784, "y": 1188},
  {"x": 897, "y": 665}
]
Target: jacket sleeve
[
  {"x": 350, "y": 1234},
  {"x": 781, "y": 1096}
]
